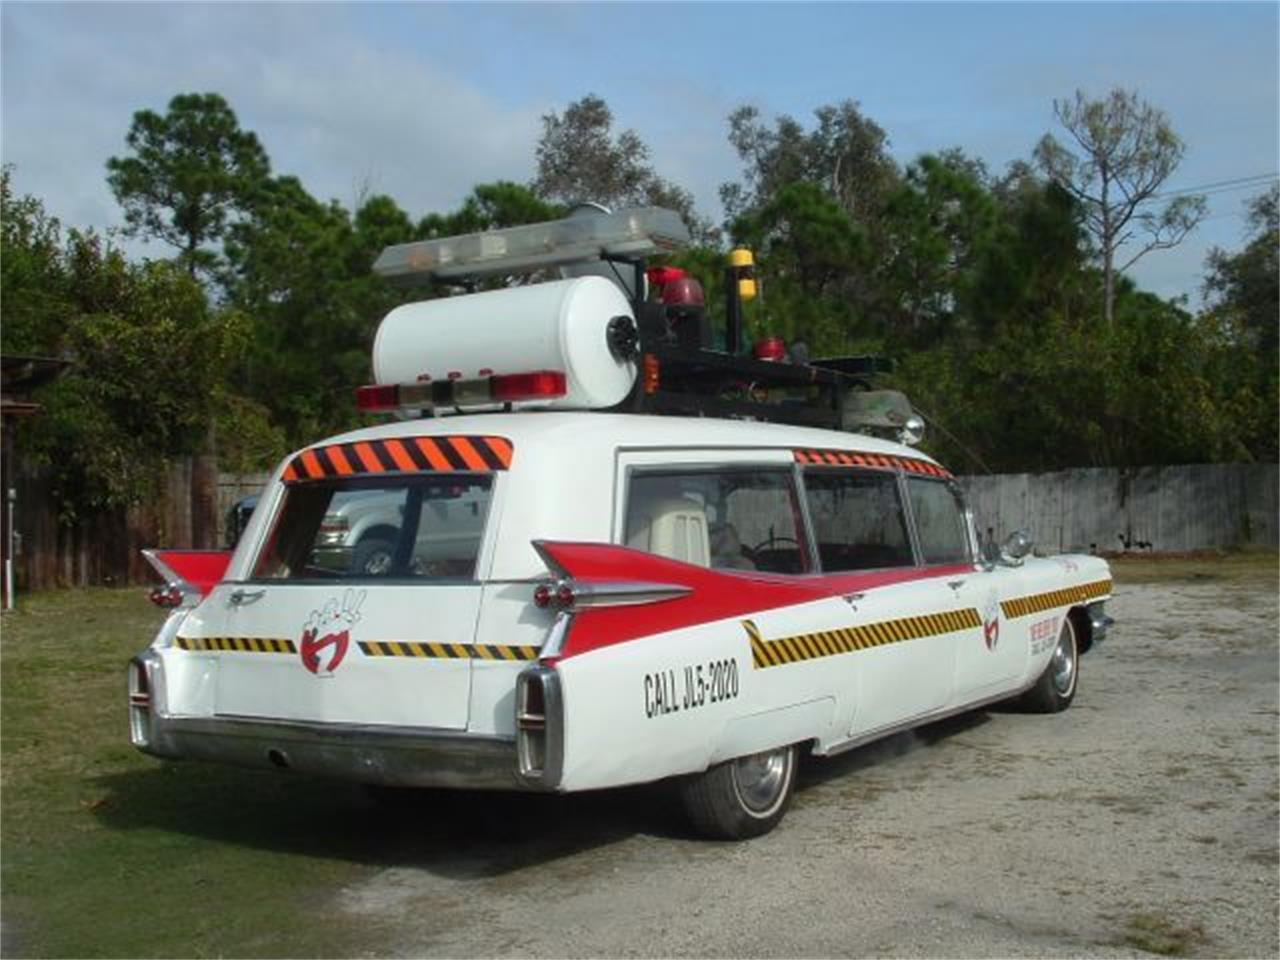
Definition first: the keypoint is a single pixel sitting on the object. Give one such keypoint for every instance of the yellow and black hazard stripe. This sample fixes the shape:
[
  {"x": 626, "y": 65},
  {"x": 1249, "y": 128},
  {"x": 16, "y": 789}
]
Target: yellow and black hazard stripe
[
  {"x": 1040, "y": 602},
  {"x": 447, "y": 651},
  {"x": 473, "y": 454},
  {"x": 876, "y": 461},
  {"x": 831, "y": 643},
  {"x": 237, "y": 644}
]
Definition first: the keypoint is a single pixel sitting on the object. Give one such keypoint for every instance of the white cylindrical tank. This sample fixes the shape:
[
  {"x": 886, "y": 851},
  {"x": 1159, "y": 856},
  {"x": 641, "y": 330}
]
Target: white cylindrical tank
[{"x": 561, "y": 325}]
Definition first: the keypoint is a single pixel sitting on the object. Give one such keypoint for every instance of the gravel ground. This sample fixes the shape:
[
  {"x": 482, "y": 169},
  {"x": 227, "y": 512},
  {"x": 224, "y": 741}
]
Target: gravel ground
[{"x": 1143, "y": 820}]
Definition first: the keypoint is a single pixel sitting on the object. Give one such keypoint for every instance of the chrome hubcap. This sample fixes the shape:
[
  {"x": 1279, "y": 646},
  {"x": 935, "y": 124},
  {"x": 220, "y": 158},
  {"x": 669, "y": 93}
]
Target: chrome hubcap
[
  {"x": 378, "y": 563},
  {"x": 761, "y": 778},
  {"x": 1064, "y": 663}
]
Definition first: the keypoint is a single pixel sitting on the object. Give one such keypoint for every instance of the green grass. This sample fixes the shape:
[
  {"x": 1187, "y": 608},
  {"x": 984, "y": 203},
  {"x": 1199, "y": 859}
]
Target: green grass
[
  {"x": 1154, "y": 933},
  {"x": 108, "y": 853},
  {"x": 1251, "y": 566}
]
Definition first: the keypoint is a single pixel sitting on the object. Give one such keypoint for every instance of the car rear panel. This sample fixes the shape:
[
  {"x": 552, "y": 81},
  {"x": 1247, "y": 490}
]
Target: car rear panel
[{"x": 397, "y": 655}]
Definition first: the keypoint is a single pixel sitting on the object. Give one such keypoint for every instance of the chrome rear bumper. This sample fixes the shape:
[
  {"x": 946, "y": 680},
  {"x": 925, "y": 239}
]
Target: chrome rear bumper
[{"x": 396, "y": 756}]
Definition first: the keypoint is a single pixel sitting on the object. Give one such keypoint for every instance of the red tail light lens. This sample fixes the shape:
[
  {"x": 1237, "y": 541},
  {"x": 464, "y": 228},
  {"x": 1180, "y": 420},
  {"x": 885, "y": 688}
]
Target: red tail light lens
[
  {"x": 528, "y": 386},
  {"x": 166, "y": 596},
  {"x": 376, "y": 397}
]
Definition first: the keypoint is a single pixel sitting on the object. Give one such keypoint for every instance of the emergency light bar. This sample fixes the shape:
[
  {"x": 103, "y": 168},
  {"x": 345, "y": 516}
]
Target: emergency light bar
[
  {"x": 634, "y": 233},
  {"x": 481, "y": 391}
]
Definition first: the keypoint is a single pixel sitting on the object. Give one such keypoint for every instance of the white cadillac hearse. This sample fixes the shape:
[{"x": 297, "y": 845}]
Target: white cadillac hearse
[{"x": 614, "y": 548}]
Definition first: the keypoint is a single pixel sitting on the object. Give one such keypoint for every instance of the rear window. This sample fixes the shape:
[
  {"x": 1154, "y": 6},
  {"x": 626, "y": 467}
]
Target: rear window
[{"x": 419, "y": 527}]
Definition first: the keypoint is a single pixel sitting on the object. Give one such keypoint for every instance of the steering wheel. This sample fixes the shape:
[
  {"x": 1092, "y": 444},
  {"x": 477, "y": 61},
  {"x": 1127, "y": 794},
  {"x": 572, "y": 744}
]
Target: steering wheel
[{"x": 772, "y": 543}]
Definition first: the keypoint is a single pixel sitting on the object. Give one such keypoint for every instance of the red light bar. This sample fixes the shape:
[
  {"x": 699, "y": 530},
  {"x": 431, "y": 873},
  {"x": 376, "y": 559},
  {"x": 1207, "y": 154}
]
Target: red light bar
[
  {"x": 481, "y": 391},
  {"x": 528, "y": 386},
  {"x": 376, "y": 397}
]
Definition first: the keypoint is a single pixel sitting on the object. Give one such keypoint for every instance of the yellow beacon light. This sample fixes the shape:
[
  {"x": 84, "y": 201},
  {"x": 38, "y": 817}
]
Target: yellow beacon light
[{"x": 743, "y": 265}]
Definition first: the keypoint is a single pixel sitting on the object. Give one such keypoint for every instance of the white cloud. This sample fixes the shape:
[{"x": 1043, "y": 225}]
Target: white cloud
[{"x": 327, "y": 106}]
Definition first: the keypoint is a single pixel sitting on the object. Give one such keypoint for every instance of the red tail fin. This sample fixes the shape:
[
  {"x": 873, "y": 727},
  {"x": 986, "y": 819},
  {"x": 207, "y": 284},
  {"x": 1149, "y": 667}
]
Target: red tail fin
[{"x": 198, "y": 570}]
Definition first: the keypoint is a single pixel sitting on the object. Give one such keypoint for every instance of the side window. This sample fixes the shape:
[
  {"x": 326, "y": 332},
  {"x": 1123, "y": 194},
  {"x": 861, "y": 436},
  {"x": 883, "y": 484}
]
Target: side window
[
  {"x": 858, "y": 520},
  {"x": 939, "y": 519},
  {"x": 730, "y": 519}
]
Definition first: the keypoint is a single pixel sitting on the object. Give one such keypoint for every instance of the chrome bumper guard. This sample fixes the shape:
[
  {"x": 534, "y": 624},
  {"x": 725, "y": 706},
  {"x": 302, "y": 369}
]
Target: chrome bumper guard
[
  {"x": 395, "y": 756},
  {"x": 1099, "y": 622}
]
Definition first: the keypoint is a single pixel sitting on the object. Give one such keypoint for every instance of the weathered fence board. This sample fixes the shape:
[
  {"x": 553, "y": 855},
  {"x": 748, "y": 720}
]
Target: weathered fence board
[{"x": 1162, "y": 509}]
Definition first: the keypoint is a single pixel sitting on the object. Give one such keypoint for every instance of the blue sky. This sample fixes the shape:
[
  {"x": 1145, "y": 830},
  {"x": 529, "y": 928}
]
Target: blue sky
[{"x": 424, "y": 100}]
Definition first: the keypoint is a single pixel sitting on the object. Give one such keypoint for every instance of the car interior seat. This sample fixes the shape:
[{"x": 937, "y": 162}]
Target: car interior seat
[{"x": 673, "y": 527}]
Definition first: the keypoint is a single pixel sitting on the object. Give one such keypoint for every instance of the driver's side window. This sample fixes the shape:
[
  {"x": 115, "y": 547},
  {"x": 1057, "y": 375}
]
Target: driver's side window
[{"x": 737, "y": 518}]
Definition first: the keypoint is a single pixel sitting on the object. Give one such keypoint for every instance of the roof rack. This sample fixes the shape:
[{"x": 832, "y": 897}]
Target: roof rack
[{"x": 680, "y": 369}]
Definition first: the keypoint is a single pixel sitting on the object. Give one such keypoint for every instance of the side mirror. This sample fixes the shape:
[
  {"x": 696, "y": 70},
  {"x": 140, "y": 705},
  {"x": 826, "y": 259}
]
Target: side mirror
[{"x": 1016, "y": 547}]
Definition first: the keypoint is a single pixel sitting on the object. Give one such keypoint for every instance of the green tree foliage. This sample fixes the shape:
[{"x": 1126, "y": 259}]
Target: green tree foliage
[
  {"x": 149, "y": 358},
  {"x": 301, "y": 270},
  {"x": 817, "y": 200},
  {"x": 1243, "y": 295},
  {"x": 190, "y": 173},
  {"x": 580, "y": 160},
  {"x": 490, "y": 206},
  {"x": 807, "y": 246},
  {"x": 1127, "y": 150},
  {"x": 31, "y": 274},
  {"x": 845, "y": 153}
]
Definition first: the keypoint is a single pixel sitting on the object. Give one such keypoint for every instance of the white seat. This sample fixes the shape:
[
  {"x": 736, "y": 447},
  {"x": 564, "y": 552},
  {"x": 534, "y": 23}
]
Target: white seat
[{"x": 672, "y": 527}]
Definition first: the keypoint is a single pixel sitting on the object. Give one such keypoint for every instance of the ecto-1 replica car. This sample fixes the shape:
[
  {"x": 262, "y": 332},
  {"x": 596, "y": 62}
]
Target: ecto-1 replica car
[{"x": 614, "y": 547}]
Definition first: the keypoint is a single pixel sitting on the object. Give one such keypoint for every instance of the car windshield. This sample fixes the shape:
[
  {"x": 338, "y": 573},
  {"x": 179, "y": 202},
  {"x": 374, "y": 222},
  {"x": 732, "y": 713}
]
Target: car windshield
[{"x": 418, "y": 527}]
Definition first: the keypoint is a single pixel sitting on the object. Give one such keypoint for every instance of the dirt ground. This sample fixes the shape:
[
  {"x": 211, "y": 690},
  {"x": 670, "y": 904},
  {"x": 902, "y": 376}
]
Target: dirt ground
[{"x": 1142, "y": 821}]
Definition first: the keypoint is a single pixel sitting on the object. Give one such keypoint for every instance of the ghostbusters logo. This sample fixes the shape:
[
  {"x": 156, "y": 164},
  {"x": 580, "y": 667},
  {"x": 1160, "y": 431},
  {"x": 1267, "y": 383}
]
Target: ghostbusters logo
[
  {"x": 991, "y": 622},
  {"x": 327, "y": 633}
]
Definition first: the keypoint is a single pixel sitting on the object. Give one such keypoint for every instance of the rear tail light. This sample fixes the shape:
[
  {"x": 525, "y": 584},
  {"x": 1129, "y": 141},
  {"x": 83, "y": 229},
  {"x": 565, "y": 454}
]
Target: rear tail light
[
  {"x": 457, "y": 392},
  {"x": 539, "y": 747},
  {"x": 167, "y": 596},
  {"x": 139, "y": 704}
]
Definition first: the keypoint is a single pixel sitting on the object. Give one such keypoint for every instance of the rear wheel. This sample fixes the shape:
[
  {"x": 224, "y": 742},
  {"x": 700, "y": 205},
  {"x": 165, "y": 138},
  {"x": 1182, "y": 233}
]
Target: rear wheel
[
  {"x": 1056, "y": 687},
  {"x": 741, "y": 798}
]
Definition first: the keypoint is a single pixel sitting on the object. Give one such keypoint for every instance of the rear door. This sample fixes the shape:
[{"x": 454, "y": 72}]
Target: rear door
[{"x": 362, "y": 602}]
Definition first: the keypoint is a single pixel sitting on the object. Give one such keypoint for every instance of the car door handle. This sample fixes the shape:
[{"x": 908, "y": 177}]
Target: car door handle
[
  {"x": 955, "y": 584},
  {"x": 241, "y": 597}
]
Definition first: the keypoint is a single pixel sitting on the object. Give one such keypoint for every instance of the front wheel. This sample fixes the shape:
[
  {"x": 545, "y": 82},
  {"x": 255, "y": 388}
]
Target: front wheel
[
  {"x": 741, "y": 798},
  {"x": 1056, "y": 687}
]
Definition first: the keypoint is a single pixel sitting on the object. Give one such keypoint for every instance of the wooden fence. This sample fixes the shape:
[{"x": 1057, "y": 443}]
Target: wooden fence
[{"x": 105, "y": 549}]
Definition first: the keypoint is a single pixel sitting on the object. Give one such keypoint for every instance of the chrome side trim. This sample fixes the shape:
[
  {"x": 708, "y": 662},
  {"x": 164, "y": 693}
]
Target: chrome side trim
[
  {"x": 622, "y": 594},
  {"x": 554, "y": 643},
  {"x": 923, "y": 719}
]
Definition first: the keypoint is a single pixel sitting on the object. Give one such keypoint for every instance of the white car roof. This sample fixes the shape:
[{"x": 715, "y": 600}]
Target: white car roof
[{"x": 629, "y": 430}]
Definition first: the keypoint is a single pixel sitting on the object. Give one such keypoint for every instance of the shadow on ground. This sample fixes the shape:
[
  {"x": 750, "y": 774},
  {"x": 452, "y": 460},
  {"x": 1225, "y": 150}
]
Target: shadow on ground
[{"x": 458, "y": 834}]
